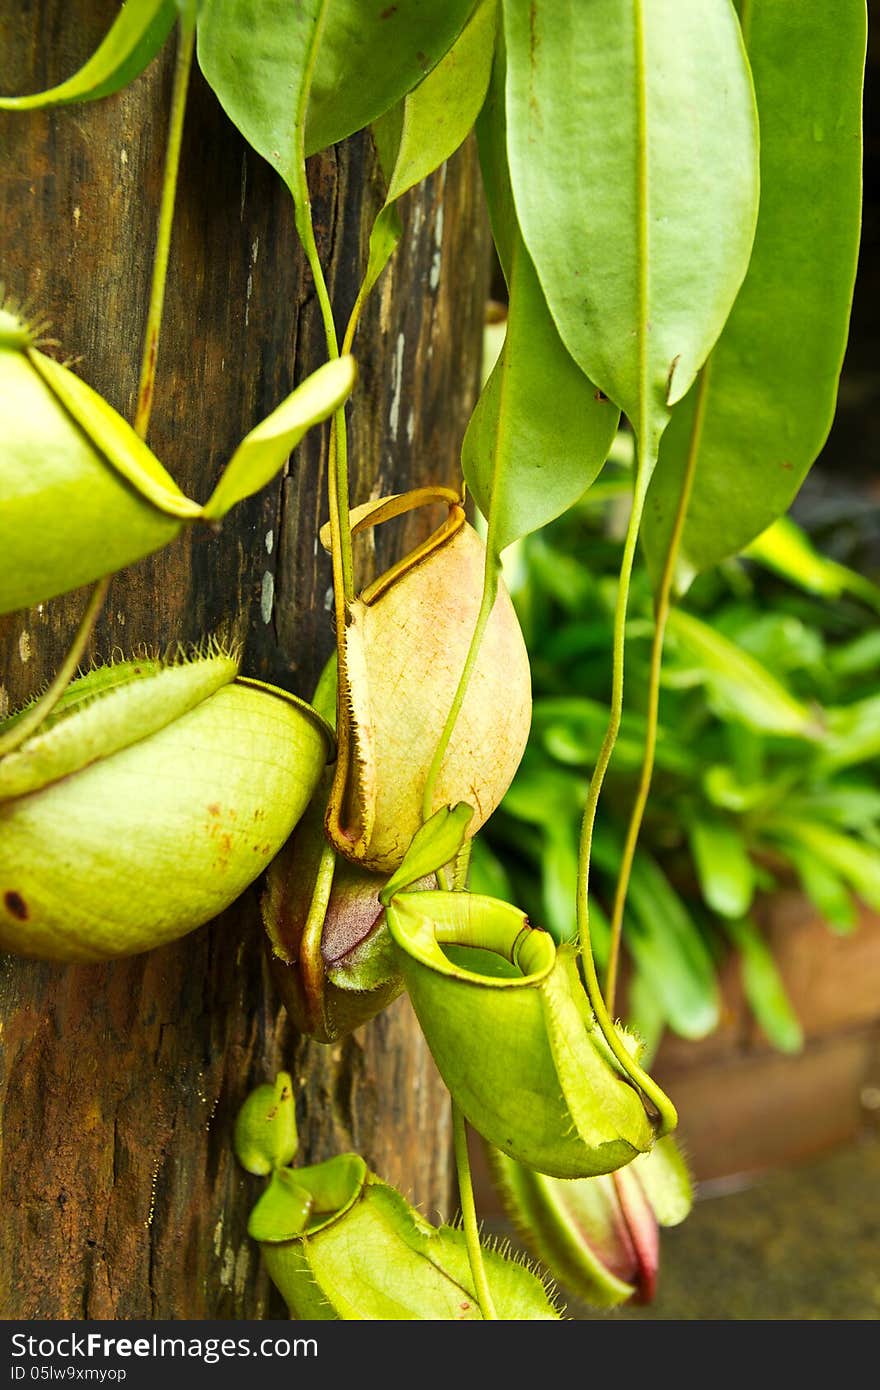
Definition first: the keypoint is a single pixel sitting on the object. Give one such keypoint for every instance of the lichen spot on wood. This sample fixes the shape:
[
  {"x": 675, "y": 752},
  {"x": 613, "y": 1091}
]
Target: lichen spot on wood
[{"x": 16, "y": 906}]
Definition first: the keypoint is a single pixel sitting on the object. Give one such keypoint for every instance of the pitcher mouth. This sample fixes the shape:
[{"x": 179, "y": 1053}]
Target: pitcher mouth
[
  {"x": 320, "y": 723},
  {"x": 442, "y": 930}
]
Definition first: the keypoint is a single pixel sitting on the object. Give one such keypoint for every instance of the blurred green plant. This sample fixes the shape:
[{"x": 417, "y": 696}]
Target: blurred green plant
[{"x": 767, "y": 764}]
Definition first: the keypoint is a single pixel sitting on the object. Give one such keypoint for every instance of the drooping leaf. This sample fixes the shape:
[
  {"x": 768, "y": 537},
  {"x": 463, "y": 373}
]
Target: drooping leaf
[
  {"x": 132, "y": 41},
  {"x": 441, "y": 110},
  {"x": 725, "y": 871},
  {"x": 415, "y": 137},
  {"x": 331, "y": 65},
  {"x": 766, "y": 405},
  {"x": 262, "y": 452},
  {"x": 540, "y": 431},
  {"x": 632, "y": 138},
  {"x": 764, "y": 987}
]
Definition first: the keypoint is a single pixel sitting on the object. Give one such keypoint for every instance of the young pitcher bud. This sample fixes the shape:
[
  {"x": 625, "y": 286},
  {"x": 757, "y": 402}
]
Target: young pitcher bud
[
  {"x": 146, "y": 802},
  {"x": 353, "y": 972},
  {"x": 341, "y": 1244},
  {"x": 406, "y": 645},
  {"x": 81, "y": 495},
  {"x": 599, "y": 1237}
]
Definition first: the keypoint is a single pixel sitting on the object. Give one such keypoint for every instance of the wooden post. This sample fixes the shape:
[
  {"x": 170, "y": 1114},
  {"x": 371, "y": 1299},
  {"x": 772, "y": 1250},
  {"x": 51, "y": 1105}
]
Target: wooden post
[{"x": 119, "y": 1192}]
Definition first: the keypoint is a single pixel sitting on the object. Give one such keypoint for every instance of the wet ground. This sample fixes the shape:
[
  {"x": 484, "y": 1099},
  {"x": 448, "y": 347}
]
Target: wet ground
[{"x": 803, "y": 1243}]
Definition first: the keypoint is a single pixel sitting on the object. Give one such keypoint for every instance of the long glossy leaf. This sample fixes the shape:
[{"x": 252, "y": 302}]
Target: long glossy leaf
[
  {"x": 415, "y": 138},
  {"x": 262, "y": 452},
  {"x": 133, "y": 40},
  {"x": 346, "y": 61},
  {"x": 772, "y": 383},
  {"x": 764, "y": 987},
  {"x": 632, "y": 138},
  {"x": 541, "y": 430},
  {"x": 741, "y": 686}
]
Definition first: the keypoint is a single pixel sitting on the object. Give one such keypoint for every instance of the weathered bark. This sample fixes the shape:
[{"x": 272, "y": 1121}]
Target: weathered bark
[{"x": 119, "y": 1192}]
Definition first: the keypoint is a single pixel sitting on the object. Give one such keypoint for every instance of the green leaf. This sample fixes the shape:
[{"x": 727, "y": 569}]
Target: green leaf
[
  {"x": 333, "y": 67},
  {"x": 855, "y": 862},
  {"x": 115, "y": 438},
  {"x": 540, "y": 431},
  {"x": 768, "y": 402},
  {"x": 725, "y": 788},
  {"x": 415, "y": 138},
  {"x": 669, "y": 950},
  {"x": 858, "y": 657},
  {"x": 133, "y": 40},
  {"x": 488, "y": 876},
  {"x": 265, "y": 1127},
  {"x": 725, "y": 871},
  {"x": 850, "y": 805},
  {"x": 644, "y": 1011},
  {"x": 787, "y": 550},
  {"x": 742, "y": 688},
  {"x": 824, "y": 888},
  {"x": 665, "y": 943},
  {"x": 434, "y": 845},
  {"x": 559, "y": 878},
  {"x": 440, "y": 111},
  {"x": 632, "y": 138},
  {"x": 764, "y": 987},
  {"x": 262, "y": 452},
  {"x": 853, "y": 734}
]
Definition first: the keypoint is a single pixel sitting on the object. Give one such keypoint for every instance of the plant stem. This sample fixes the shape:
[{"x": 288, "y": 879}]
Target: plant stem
[
  {"x": 33, "y": 717},
  {"x": 182, "y": 68},
  {"x": 491, "y": 576},
  {"x": 661, "y": 615},
  {"x": 340, "y": 526},
  {"x": 665, "y": 1108},
  {"x": 340, "y": 534},
  {"x": 487, "y": 603},
  {"x": 311, "y": 961},
  {"x": 469, "y": 1217}
]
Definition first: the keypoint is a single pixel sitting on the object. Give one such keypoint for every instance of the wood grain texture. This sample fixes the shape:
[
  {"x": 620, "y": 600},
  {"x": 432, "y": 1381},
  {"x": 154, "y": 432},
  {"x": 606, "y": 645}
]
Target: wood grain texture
[{"x": 119, "y": 1083}]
